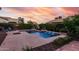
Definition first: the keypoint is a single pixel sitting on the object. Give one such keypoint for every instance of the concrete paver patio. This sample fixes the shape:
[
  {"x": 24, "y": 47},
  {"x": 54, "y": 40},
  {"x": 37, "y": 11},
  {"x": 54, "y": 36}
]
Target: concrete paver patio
[
  {"x": 16, "y": 42},
  {"x": 72, "y": 46}
]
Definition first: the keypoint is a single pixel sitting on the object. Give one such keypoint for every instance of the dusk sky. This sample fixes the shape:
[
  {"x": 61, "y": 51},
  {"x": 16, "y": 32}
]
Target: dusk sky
[{"x": 38, "y": 14}]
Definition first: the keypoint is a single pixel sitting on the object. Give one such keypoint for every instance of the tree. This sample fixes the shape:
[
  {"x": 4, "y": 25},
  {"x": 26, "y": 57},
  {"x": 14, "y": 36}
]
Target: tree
[
  {"x": 28, "y": 25},
  {"x": 60, "y": 17},
  {"x": 34, "y": 24},
  {"x": 72, "y": 26},
  {"x": 20, "y": 20},
  {"x": 42, "y": 26}
]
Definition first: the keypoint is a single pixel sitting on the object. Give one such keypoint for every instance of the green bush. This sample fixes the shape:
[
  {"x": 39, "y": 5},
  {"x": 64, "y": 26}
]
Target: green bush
[
  {"x": 58, "y": 27},
  {"x": 71, "y": 24},
  {"x": 25, "y": 26},
  {"x": 28, "y": 25},
  {"x": 61, "y": 41}
]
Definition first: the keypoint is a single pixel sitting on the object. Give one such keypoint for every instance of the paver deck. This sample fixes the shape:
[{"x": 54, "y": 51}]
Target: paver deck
[
  {"x": 17, "y": 42},
  {"x": 72, "y": 46}
]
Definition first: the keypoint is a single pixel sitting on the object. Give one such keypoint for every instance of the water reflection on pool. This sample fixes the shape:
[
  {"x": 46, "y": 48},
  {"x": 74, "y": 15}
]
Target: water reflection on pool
[{"x": 44, "y": 34}]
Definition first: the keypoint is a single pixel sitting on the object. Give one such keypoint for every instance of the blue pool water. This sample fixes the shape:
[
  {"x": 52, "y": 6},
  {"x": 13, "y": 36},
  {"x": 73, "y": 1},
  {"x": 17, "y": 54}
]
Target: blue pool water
[{"x": 46, "y": 34}]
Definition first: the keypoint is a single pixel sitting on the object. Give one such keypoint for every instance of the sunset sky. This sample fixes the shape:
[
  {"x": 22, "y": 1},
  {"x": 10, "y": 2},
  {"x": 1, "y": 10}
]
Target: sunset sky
[{"x": 38, "y": 14}]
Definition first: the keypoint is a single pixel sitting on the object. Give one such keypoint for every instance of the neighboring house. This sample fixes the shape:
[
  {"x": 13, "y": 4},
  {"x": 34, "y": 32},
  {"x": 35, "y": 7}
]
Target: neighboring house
[
  {"x": 7, "y": 19},
  {"x": 3, "y": 20},
  {"x": 8, "y": 23},
  {"x": 57, "y": 19}
]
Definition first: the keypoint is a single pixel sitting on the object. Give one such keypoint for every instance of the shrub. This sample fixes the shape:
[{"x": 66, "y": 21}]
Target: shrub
[
  {"x": 25, "y": 26},
  {"x": 61, "y": 41},
  {"x": 71, "y": 24},
  {"x": 55, "y": 26}
]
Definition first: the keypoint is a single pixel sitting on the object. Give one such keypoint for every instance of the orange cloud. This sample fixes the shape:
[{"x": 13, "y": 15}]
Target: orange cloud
[
  {"x": 42, "y": 14},
  {"x": 70, "y": 10}
]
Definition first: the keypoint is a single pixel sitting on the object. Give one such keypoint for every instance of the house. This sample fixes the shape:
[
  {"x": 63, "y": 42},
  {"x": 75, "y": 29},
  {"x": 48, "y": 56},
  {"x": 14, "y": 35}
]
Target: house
[
  {"x": 7, "y": 19},
  {"x": 7, "y": 23},
  {"x": 56, "y": 20}
]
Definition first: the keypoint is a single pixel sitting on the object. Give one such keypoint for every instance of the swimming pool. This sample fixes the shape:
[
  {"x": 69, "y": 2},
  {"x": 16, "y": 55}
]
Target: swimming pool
[{"x": 45, "y": 34}]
